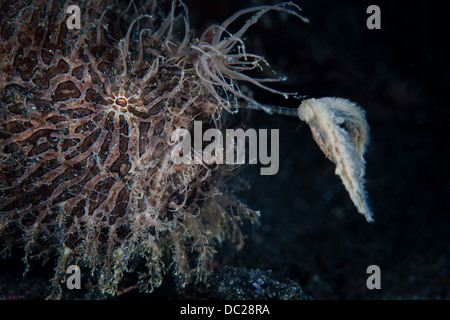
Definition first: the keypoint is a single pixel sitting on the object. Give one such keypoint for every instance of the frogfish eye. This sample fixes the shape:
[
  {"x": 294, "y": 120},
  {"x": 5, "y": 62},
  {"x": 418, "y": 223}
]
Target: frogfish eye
[{"x": 121, "y": 102}]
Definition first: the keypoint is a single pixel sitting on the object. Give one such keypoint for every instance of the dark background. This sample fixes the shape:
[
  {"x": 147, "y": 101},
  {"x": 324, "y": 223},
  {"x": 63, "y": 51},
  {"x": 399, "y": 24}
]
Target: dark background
[{"x": 310, "y": 231}]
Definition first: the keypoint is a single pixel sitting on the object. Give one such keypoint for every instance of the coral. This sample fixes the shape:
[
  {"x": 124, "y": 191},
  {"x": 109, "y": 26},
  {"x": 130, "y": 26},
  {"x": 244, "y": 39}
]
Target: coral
[{"x": 86, "y": 120}]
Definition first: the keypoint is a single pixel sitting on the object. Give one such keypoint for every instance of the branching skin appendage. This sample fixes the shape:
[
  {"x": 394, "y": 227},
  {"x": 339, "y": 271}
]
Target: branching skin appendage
[{"x": 86, "y": 174}]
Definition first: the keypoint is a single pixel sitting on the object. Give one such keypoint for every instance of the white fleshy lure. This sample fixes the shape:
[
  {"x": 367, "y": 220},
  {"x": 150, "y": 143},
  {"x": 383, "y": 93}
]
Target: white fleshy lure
[{"x": 340, "y": 129}]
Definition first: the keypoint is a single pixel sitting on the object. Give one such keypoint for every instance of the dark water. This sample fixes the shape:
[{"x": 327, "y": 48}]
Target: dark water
[{"x": 400, "y": 74}]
